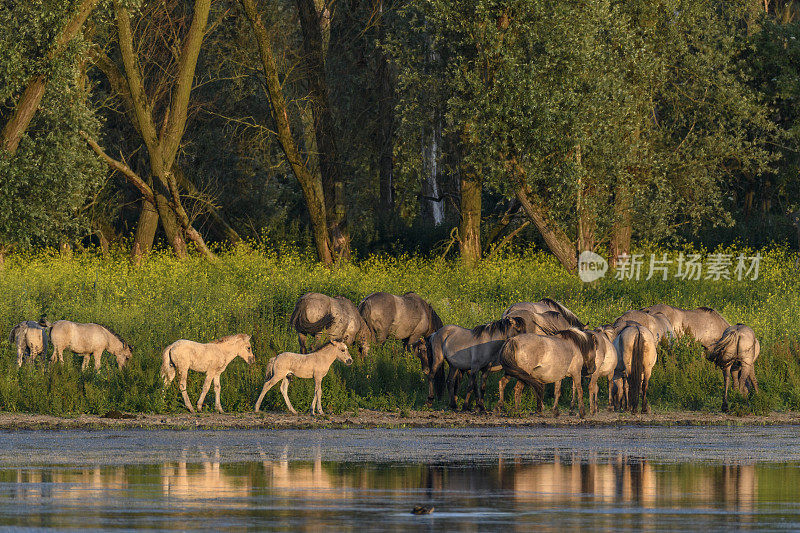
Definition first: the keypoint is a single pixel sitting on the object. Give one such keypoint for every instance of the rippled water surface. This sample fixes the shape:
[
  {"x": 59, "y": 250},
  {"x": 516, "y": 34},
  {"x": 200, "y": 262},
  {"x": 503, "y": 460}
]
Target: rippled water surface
[{"x": 622, "y": 478}]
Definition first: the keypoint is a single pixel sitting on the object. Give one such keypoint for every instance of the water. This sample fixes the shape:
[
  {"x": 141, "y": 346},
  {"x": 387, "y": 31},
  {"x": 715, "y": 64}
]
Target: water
[{"x": 622, "y": 478}]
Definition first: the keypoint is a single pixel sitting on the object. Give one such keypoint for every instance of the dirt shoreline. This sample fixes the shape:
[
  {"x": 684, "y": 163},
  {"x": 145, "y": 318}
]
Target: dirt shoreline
[{"x": 382, "y": 419}]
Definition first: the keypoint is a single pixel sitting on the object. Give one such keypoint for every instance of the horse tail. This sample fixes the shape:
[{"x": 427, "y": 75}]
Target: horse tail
[
  {"x": 365, "y": 310},
  {"x": 12, "y": 338},
  {"x": 436, "y": 354},
  {"x": 637, "y": 367},
  {"x": 167, "y": 368},
  {"x": 301, "y": 324},
  {"x": 271, "y": 368},
  {"x": 45, "y": 340},
  {"x": 571, "y": 317},
  {"x": 719, "y": 349}
]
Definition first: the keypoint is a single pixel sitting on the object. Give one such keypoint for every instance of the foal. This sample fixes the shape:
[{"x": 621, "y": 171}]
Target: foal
[{"x": 314, "y": 365}]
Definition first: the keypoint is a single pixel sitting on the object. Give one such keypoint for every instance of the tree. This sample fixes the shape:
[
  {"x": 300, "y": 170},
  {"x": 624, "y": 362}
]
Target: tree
[
  {"x": 162, "y": 143},
  {"x": 572, "y": 109},
  {"x": 46, "y": 177}
]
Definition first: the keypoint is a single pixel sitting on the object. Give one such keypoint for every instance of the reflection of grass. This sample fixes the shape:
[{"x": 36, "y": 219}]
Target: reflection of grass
[{"x": 254, "y": 292}]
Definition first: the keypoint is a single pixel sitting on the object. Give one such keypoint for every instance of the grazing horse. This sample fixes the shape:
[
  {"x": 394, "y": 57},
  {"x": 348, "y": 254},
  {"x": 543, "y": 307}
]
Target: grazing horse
[
  {"x": 31, "y": 339},
  {"x": 211, "y": 358},
  {"x": 636, "y": 348},
  {"x": 314, "y": 365},
  {"x": 87, "y": 340},
  {"x": 547, "y": 323},
  {"x": 656, "y": 322},
  {"x": 314, "y": 312},
  {"x": 408, "y": 318},
  {"x": 737, "y": 349},
  {"x": 538, "y": 360},
  {"x": 704, "y": 324},
  {"x": 543, "y": 306},
  {"x": 475, "y": 350}
]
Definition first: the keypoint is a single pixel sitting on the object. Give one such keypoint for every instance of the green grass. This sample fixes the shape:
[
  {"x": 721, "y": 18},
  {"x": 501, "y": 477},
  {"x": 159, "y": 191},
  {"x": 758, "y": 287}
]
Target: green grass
[{"x": 253, "y": 291}]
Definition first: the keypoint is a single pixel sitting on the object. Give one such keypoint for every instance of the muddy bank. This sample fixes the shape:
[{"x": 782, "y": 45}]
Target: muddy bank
[{"x": 381, "y": 419}]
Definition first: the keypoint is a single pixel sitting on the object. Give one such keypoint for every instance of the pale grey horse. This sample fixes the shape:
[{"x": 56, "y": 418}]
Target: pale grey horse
[
  {"x": 636, "y": 349},
  {"x": 315, "y": 365},
  {"x": 736, "y": 350},
  {"x": 473, "y": 350},
  {"x": 543, "y": 306},
  {"x": 31, "y": 338},
  {"x": 210, "y": 358},
  {"x": 658, "y": 324},
  {"x": 704, "y": 324},
  {"x": 539, "y": 359},
  {"x": 315, "y": 313},
  {"x": 87, "y": 340},
  {"x": 408, "y": 318}
]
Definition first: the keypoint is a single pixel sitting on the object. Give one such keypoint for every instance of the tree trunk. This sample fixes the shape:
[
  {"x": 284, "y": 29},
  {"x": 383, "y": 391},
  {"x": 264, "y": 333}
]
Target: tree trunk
[
  {"x": 557, "y": 241},
  {"x": 385, "y": 137},
  {"x": 621, "y": 233},
  {"x": 145, "y": 232},
  {"x": 586, "y": 216},
  {"x": 172, "y": 228},
  {"x": 311, "y": 186},
  {"x": 333, "y": 185},
  {"x": 32, "y": 96},
  {"x": 470, "y": 230}
]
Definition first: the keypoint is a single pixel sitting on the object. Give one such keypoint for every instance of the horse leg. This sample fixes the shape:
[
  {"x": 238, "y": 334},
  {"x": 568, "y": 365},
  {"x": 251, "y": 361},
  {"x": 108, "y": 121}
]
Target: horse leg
[
  {"x": 217, "y": 390},
  {"x": 85, "y": 362},
  {"x": 556, "y": 412},
  {"x": 576, "y": 385},
  {"x": 452, "y": 383},
  {"x": 539, "y": 388},
  {"x": 317, "y": 396},
  {"x": 751, "y": 372},
  {"x": 610, "y": 397},
  {"x": 20, "y": 353},
  {"x": 501, "y": 387},
  {"x": 206, "y": 386},
  {"x": 726, "y": 377},
  {"x": 645, "y": 383},
  {"x": 572, "y": 401},
  {"x": 267, "y": 386},
  {"x": 182, "y": 386},
  {"x": 285, "y": 392},
  {"x": 302, "y": 340},
  {"x": 98, "y": 357},
  {"x": 593, "y": 394},
  {"x": 518, "y": 392},
  {"x": 479, "y": 391}
]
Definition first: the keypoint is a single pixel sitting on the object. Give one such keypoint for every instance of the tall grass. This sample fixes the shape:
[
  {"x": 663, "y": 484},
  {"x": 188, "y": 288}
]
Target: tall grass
[{"x": 254, "y": 290}]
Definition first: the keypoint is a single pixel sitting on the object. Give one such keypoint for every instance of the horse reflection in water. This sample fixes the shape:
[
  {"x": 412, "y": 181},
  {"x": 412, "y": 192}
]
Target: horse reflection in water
[{"x": 206, "y": 479}]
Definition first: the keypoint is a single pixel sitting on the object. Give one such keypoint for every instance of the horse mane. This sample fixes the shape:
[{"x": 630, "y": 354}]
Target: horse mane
[
  {"x": 227, "y": 338},
  {"x": 584, "y": 341},
  {"x": 548, "y": 321},
  {"x": 501, "y": 326},
  {"x": 118, "y": 336},
  {"x": 571, "y": 317}
]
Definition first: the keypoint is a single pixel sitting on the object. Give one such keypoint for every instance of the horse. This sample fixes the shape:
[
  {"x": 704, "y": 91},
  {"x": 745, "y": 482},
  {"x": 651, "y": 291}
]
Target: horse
[
  {"x": 656, "y": 322},
  {"x": 87, "y": 340},
  {"x": 314, "y": 365},
  {"x": 606, "y": 362},
  {"x": 737, "y": 349},
  {"x": 636, "y": 349},
  {"x": 408, "y": 318},
  {"x": 474, "y": 350},
  {"x": 211, "y": 358},
  {"x": 543, "y": 306},
  {"x": 537, "y": 360},
  {"x": 314, "y": 312},
  {"x": 547, "y": 323},
  {"x": 31, "y": 339},
  {"x": 704, "y": 324}
]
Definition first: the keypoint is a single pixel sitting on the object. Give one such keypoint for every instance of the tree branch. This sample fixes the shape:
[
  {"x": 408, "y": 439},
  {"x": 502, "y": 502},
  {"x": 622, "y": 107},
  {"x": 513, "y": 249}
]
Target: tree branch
[{"x": 134, "y": 178}]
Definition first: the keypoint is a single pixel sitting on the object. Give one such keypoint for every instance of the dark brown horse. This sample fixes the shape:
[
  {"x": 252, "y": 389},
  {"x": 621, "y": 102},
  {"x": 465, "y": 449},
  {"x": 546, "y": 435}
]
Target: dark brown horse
[{"x": 408, "y": 318}]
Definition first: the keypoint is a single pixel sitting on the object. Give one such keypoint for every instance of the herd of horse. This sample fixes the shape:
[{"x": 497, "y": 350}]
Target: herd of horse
[{"x": 536, "y": 343}]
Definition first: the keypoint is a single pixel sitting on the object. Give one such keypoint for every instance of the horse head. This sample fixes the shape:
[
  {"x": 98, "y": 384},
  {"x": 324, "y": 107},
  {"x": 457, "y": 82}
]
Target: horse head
[
  {"x": 342, "y": 354},
  {"x": 124, "y": 355},
  {"x": 246, "y": 350},
  {"x": 420, "y": 349}
]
